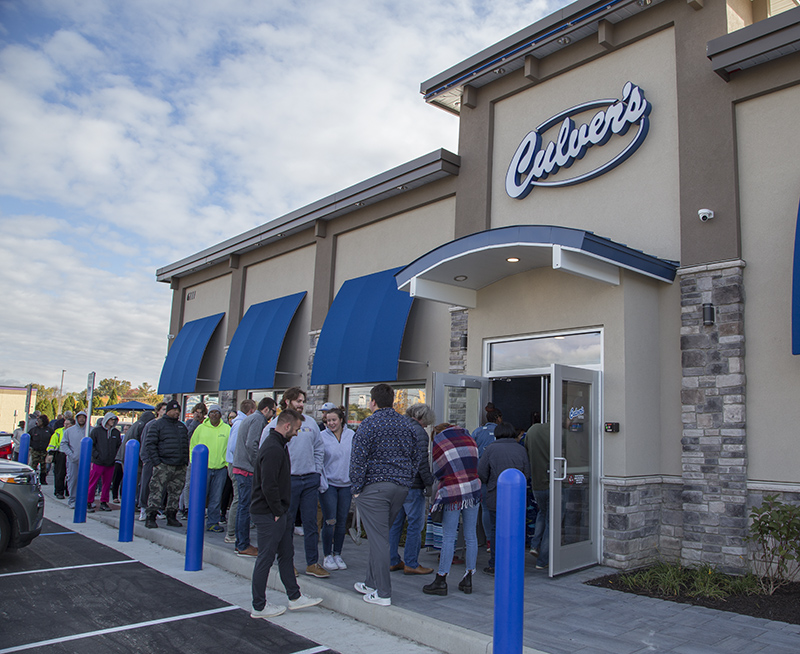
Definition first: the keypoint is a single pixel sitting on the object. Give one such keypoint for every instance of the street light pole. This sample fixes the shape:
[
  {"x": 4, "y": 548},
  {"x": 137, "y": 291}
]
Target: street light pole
[{"x": 61, "y": 390}]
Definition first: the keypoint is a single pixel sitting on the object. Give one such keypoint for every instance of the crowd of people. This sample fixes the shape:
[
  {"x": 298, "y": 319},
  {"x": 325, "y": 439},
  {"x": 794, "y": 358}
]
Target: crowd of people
[{"x": 275, "y": 466}]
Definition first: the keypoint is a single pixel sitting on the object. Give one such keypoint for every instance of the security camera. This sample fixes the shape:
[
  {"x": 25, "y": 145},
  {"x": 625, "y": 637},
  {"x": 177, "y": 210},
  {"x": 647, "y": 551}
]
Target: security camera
[{"x": 705, "y": 215}]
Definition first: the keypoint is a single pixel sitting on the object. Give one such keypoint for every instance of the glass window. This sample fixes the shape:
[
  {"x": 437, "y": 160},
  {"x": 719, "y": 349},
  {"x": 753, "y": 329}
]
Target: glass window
[
  {"x": 356, "y": 399},
  {"x": 189, "y": 402},
  {"x": 582, "y": 350}
]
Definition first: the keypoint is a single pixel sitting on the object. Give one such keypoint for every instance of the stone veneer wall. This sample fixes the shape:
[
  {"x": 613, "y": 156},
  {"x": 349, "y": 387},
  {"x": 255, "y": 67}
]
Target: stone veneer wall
[
  {"x": 642, "y": 521},
  {"x": 459, "y": 317},
  {"x": 316, "y": 396},
  {"x": 714, "y": 443}
]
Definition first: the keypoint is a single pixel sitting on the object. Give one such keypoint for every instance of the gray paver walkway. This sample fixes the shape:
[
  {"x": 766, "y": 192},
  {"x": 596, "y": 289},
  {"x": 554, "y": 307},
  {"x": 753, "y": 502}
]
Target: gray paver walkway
[{"x": 561, "y": 615}]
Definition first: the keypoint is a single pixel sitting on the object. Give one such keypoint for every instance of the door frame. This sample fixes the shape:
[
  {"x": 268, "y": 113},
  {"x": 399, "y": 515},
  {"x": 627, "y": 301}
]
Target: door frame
[{"x": 584, "y": 553}]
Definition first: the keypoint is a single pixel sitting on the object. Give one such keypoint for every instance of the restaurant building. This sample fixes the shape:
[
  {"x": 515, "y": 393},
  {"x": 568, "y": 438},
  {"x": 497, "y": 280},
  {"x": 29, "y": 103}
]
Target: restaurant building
[{"x": 612, "y": 250}]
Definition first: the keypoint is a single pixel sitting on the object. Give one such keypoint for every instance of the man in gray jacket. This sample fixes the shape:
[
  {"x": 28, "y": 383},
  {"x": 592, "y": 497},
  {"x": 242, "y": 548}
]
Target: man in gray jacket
[
  {"x": 71, "y": 446},
  {"x": 244, "y": 460}
]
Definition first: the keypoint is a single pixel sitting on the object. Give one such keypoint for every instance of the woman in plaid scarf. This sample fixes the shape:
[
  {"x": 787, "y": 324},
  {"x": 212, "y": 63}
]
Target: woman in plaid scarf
[{"x": 455, "y": 466}]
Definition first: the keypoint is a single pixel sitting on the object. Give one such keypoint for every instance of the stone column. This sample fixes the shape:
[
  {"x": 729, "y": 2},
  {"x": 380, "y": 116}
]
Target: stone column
[
  {"x": 714, "y": 443},
  {"x": 316, "y": 396},
  {"x": 459, "y": 317}
]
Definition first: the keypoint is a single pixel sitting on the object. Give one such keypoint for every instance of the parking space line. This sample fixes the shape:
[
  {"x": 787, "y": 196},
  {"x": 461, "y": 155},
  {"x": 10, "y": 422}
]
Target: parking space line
[
  {"x": 314, "y": 650},
  {"x": 69, "y": 567},
  {"x": 58, "y": 533},
  {"x": 112, "y": 630}
]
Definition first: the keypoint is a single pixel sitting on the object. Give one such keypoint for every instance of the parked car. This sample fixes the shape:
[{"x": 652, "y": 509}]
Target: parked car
[
  {"x": 21, "y": 505},
  {"x": 6, "y": 445}
]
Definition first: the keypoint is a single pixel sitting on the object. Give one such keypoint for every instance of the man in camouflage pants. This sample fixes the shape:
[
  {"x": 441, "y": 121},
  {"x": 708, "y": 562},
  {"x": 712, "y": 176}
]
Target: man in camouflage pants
[{"x": 168, "y": 449}]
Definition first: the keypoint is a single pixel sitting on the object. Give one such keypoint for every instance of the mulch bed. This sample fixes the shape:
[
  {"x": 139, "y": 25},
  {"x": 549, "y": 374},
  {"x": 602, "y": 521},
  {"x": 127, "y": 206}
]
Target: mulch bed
[{"x": 783, "y": 605}]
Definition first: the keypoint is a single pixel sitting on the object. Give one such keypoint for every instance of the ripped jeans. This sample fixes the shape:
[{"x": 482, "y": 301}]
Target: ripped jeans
[{"x": 335, "y": 506}]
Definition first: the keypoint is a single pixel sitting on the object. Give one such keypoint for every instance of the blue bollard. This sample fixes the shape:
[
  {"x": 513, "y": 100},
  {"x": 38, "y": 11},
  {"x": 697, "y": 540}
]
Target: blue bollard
[
  {"x": 24, "y": 448},
  {"x": 128, "y": 508},
  {"x": 198, "y": 485},
  {"x": 82, "y": 489},
  {"x": 509, "y": 577}
]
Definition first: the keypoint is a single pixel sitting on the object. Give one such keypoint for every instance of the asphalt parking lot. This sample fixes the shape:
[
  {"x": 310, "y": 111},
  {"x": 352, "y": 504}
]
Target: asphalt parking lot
[{"x": 68, "y": 593}]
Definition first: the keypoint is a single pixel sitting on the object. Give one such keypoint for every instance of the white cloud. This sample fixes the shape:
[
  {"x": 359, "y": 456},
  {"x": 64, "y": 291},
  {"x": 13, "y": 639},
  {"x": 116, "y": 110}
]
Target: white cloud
[{"x": 141, "y": 132}]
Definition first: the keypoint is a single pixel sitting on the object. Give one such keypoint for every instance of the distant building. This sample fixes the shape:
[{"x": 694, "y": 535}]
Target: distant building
[{"x": 12, "y": 406}]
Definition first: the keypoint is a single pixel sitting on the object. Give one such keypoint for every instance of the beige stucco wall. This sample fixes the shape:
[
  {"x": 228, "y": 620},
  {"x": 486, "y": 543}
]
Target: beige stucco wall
[
  {"x": 633, "y": 345},
  {"x": 769, "y": 183},
  {"x": 287, "y": 274},
  {"x": 637, "y": 203},
  {"x": 395, "y": 242}
]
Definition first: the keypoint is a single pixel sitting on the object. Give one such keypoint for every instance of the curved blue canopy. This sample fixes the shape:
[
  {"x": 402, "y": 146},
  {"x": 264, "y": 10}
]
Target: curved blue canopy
[
  {"x": 179, "y": 374},
  {"x": 363, "y": 332},
  {"x": 254, "y": 350}
]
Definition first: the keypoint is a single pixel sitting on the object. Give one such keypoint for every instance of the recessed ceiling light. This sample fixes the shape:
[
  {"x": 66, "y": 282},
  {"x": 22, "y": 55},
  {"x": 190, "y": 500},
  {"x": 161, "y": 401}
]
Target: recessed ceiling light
[
  {"x": 513, "y": 259},
  {"x": 559, "y": 338},
  {"x": 460, "y": 278}
]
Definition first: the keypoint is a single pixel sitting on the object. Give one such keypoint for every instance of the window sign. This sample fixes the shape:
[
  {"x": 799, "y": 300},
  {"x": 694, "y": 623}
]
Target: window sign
[
  {"x": 534, "y": 162},
  {"x": 580, "y": 350}
]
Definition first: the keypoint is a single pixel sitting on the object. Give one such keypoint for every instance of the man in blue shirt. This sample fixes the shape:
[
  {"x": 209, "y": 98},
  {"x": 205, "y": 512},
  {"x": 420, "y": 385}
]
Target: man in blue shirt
[{"x": 382, "y": 466}]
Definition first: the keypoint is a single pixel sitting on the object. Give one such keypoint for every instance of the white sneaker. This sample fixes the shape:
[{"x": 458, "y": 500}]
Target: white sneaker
[
  {"x": 230, "y": 539},
  {"x": 338, "y": 559},
  {"x": 373, "y": 598},
  {"x": 362, "y": 588},
  {"x": 329, "y": 563},
  {"x": 303, "y": 602},
  {"x": 142, "y": 515},
  {"x": 299, "y": 531},
  {"x": 269, "y": 611}
]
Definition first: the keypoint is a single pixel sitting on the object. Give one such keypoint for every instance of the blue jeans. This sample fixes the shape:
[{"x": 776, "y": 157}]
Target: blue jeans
[
  {"x": 449, "y": 533},
  {"x": 489, "y": 521},
  {"x": 335, "y": 506},
  {"x": 541, "y": 534},
  {"x": 413, "y": 509},
  {"x": 305, "y": 495},
  {"x": 216, "y": 482},
  {"x": 245, "y": 486}
]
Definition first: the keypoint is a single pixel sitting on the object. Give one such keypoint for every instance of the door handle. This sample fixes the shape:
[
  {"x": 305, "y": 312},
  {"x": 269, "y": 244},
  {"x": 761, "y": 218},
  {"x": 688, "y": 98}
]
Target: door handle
[{"x": 563, "y": 468}]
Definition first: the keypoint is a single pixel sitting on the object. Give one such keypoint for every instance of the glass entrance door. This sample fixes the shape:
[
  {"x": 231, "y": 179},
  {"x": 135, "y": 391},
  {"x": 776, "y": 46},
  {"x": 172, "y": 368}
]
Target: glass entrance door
[
  {"x": 459, "y": 399},
  {"x": 574, "y": 465}
]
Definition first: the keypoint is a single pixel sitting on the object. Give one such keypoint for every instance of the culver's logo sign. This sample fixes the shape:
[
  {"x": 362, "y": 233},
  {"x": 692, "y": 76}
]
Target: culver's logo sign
[{"x": 534, "y": 162}]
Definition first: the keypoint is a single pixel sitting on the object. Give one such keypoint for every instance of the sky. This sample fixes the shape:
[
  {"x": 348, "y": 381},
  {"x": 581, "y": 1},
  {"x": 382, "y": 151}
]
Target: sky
[{"x": 135, "y": 133}]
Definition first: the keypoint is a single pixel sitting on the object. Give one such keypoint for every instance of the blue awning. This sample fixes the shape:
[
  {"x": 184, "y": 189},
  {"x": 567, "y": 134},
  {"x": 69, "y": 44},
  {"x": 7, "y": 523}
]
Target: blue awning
[
  {"x": 455, "y": 271},
  {"x": 179, "y": 374},
  {"x": 363, "y": 331},
  {"x": 796, "y": 289},
  {"x": 253, "y": 353}
]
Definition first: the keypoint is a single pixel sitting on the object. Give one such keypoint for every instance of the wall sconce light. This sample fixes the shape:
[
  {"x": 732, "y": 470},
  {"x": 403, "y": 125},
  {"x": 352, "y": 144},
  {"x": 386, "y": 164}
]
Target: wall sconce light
[
  {"x": 708, "y": 314},
  {"x": 463, "y": 341}
]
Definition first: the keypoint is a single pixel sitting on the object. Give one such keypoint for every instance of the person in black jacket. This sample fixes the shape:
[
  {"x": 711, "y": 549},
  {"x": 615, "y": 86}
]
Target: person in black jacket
[
  {"x": 504, "y": 453},
  {"x": 40, "y": 439},
  {"x": 167, "y": 446},
  {"x": 272, "y": 496},
  {"x": 106, "y": 440}
]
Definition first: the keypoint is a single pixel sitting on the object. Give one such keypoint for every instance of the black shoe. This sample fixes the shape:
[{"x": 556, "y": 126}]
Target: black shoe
[
  {"x": 150, "y": 523},
  {"x": 90, "y": 508},
  {"x": 465, "y": 585},
  {"x": 437, "y": 587},
  {"x": 59, "y": 496},
  {"x": 104, "y": 506},
  {"x": 172, "y": 521},
  {"x": 489, "y": 570}
]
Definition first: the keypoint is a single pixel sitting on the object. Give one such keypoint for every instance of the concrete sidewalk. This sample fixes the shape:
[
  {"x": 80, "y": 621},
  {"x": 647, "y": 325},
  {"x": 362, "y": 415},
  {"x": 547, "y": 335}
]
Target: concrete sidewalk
[{"x": 562, "y": 615}]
